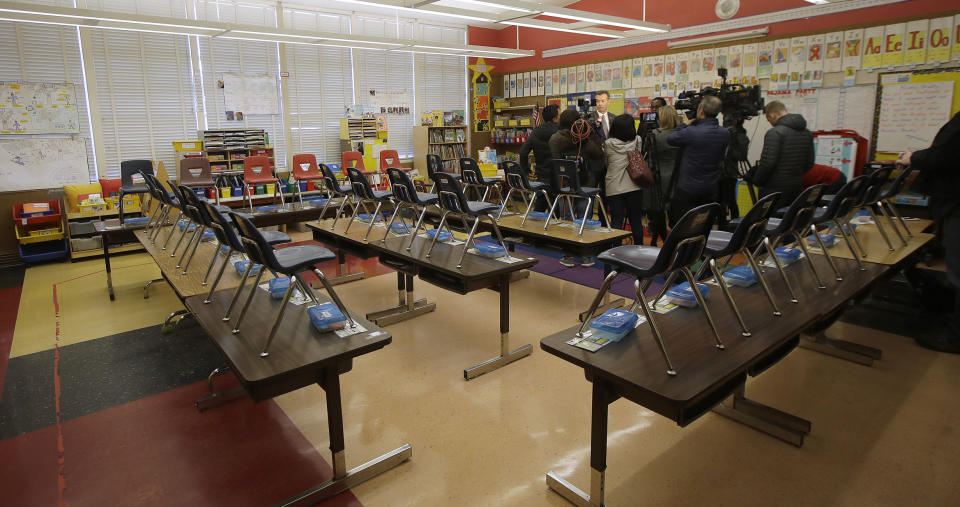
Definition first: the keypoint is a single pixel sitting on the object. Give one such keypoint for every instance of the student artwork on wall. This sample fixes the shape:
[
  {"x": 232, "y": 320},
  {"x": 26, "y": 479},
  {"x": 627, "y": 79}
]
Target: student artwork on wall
[
  {"x": 833, "y": 52},
  {"x": 627, "y": 74},
  {"x": 759, "y": 59},
  {"x": 541, "y": 82},
  {"x": 735, "y": 63},
  {"x": 597, "y": 76},
  {"x": 939, "y": 36},
  {"x": 591, "y": 76},
  {"x": 798, "y": 59},
  {"x": 506, "y": 86},
  {"x": 893, "y": 44},
  {"x": 955, "y": 48},
  {"x": 636, "y": 72},
  {"x": 606, "y": 80},
  {"x": 852, "y": 49},
  {"x": 872, "y": 47},
  {"x": 708, "y": 69},
  {"x": 658, "y": 69},
  {"x": 683, "y": 69},
  {"x": 38, "y": 108},
  {"x": 527, "y": 84},
  {"x": 781, "y": 56},
  {"x": 581, "y": 79},
  {"x": 813, "y": 69},
  {"x": 616, "y": 81},
  {"x": 555, "y": 77},
  {"x": 915, "y": 42},
  {"x": 696, "y": 65},
  {"x": 720, "y": 57},
  {"x": 647, "y": 77},
  {"x": 670, "y": 68}
]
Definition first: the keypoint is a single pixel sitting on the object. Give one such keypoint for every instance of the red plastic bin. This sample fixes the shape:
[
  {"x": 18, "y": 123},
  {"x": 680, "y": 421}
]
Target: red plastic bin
[{"x": 54, "y": 217}]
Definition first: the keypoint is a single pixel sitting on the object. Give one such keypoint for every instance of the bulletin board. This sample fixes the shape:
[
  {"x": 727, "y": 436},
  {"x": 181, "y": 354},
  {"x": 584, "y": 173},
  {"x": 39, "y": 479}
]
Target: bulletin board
[{"x": 930, "y": 86}]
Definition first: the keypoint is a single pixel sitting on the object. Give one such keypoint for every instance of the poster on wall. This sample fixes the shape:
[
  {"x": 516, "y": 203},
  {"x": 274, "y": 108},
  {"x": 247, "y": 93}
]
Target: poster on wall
[
  {"x": 798, "y": 59},
  {"x": 658, "y": 68},
  {"x": 581, "y": 78},
  {"x": 555, "y": 76},
  {"x": 708, "y": 70},
  {"x": 759, "y": 61},
  {"x": 683, "y": 70},
  {"x": 914, "y": 42},
  {"x": 670, "y": 68},
  {"x": 893, "y": 44},
  {"x": 721, "y": 56},
  {"x": 616, "y": 82},
  {"x": 781, "y": 56},
  {"x": 627, "y": 73},
  {"x": 735, "y": 63},
  {"x": 506, "y": 86},
  {"x": 940, "y": 35},
  {"x": 833, "y": 52},
  {"x": 250, "y": 93},
  {"x": 591, "y": 78},
  {"x": 872, "y": 47},
  {"x": 541, "y": 82},
  {"x": 696, "y": 66},
  {"x": 513, "y": 86},
  {"x": 481, "y": 95},
  {"x": 647, "y": 78},
  {"x": 527, "y": 85},
  {"x": 955, "y": 48},
  {"x": 38, "y": 108},
  {"x": 852, "y": 49},
  {"x": 813, "y": 69},
  {"x": 597, "y": 76}
]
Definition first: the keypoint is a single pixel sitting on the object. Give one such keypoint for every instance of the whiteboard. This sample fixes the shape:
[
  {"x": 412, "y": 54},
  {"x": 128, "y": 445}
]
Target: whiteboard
[
  {"x": 912, "y": 113},
  {"x": 38, "y": 108},
  {"x": 250, "y": 93},
  {"x": 30, "y": 164}
]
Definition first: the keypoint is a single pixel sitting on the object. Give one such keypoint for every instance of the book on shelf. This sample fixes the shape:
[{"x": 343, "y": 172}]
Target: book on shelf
[
  {"x": 448, "y": 135},
  {"x": 461, "y": 135}
]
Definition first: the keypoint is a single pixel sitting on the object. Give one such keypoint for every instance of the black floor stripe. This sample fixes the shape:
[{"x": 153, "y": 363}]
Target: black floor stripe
[
  {"x": 11, "y": 277},
  {"x": 102, "y": 373}
]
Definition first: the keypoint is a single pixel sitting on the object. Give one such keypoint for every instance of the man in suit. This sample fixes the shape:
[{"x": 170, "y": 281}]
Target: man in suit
[{"x": 600, "y": 118}]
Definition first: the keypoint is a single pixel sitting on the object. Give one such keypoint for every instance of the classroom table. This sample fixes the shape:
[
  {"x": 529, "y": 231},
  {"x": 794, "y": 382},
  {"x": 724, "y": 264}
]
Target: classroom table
[
  {"x": 299, "y": 356},
  {"x": 440, "y": 269},
  {"x": 113, "y": 232}
]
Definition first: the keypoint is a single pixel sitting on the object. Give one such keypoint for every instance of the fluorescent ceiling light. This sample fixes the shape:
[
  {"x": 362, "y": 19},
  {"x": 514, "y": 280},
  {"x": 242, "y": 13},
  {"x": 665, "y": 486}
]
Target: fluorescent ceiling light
[
  {"x": 724, "y": 37},
  {"x": 478, "y": 50},
  {"x": 817, "y": 2},
  {"x": 417, "y": 11},
  {"x": 495, "y": 5},
  {"x": 558, "y": 29},
  {"x": 577, "y": 17}
]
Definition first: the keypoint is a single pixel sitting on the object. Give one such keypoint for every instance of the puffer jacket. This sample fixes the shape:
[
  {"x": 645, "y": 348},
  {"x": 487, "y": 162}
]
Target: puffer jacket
[
  {"x": 539, "y": 143},
  {"x": 787, "y": 154},
  {"x": 617, "y": 180},
  {"x": 703, "y": 145}
]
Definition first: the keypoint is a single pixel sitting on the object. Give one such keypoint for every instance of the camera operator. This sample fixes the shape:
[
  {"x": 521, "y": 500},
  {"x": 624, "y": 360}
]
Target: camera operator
[
  {"x": 703, "y": 144},
  {"x": 539, "y": 143},
  {"x": 940, "y": 179},
  {"x": 787, "y": 154},
  {"x": 730, "y": 174}
]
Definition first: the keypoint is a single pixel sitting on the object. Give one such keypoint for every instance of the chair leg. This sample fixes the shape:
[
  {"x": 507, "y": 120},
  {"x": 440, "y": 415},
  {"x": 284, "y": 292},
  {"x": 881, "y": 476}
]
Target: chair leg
[
  {"x": 173, "y": 229},
  {"x": 553, "y": 207},
  {"x": 883, "y": 211},
  {"x": 278, "y": 190},
  {"x": 439, "y": 229},
  {"x": 846, "y": 239},
  {"x": 533, "y": 198},
  {"x": 246, "y": 190},
  {"x": 505, "y": 201},
  {"x": 586, "y": 213},
  {"x": 194, "y": 251},
  {"x": 729, "y": 297},
  {"x": 856, "y": 239},
  {"x": 763, "y": 283},
  {"x": 666, "y": 286},
  {"x": 121, "y": 208},
  {"x": 239, "y": 289},
  {"x": 654, "y": 328},
  {"x": 703, "y": 305},
  {"x": 880, "y": 227},
  {"x": 373, "y": 220},
  {"x": 416, "y": 228},
  {"x": 216, "y": 281},
  {"x": 246, "y": 304},
  {"x": 213, "y": 260},
  {"x": 496, "y": 230},
  {"x": 596, "y": 301},
  {"x": 606, "y": 218},
  {"x": 296, "y": 190},
  {"x": 353, "y": 216},
  {"x": 194, "y": 239},
  {"x": 896, "y": 213},
  {"x": 343, "y": 202},
  {"x": 336, "y": 299},
  {"x": 276, "y": 321},
  {"x": 776, "y": 261},
  {"x": 393, "y": 217},
  {"x": 806, "y": 253},
  {"x": 183, "y": 233},
  {"x": 486, "y": 191},
  {"x": 162, "y": 219},
  {"x": 466, "y": 245},
  {"x": 826, "y": 253},
  {"x": 153, "y": 217}
]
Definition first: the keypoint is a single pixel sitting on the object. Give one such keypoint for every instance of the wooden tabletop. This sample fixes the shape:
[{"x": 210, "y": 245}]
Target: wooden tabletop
[
  {"x": 563, "y": 233},
  {"x": 705, "y": 374},
  {"x": 877, "y": 250},
  {"x": 298, "y": 352},
  {"x": 442, "y": 261},
  {"x": 289, "y": 214},
  {"x": 190, "y": 284}
]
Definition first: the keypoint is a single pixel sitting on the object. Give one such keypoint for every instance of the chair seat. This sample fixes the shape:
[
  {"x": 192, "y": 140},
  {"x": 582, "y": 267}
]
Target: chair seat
[
  {"x": 733, "y": 224},
  {"x": 491, "y": 180},
  {"x": 426, "y": 199},
  {"x": 346, "y": 189},
  {"x": 773, "y": 227},
  {"x": 222, "y": 208},
  {"x": 296, "y": 258},
  {"x": 780, "y": 212},
  {"x": 584, "y": 191},
  {"x": 480, "y": 207},
  {"x": 538, "y": 185},
  {"x": 275, "y": 237},
  {"x": 134, "y": 189},
  {"x": 382, "y": 195},
  {"x": 636, "y": 259},
  {"x": 718, "y": 243},
  {"x": 260, "y": 179}
]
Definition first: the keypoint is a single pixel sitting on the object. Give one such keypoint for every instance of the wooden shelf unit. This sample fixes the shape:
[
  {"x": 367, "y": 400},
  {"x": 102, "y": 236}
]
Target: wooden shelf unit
[
  {"x": 227, "y": 148},
  {"x": 448, "y": 142}
]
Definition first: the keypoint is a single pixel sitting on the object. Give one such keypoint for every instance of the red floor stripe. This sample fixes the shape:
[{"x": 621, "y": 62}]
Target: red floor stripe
[
  {"x": 9, "y": 306},
  {"x": 61, "y": 456}
]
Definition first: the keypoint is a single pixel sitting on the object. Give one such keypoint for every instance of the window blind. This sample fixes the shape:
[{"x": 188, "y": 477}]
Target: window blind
[{"x": 442, "y": 80}]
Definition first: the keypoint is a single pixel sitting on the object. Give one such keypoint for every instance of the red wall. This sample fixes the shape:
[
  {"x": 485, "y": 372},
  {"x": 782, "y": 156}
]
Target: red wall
[{"x": 677, "y": 14}]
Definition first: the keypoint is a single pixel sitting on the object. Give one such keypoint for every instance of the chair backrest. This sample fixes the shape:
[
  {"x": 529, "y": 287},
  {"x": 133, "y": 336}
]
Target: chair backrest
[
  {"x": 330, "y": 181},
  {"x": 515, "y": 175},
  {"x": 256, "y": 167},
  {"x": 155, "y": 192},
  {"x": 800, "y": 213},
  {"x": 131, "y": 168},
  {"x": 193, "y": 207},
  {"x": 565, "y": 174},
  {"x": 451, "y": 195},
  {"x": 257, "y": 248},
  {"x": 898, "y": 183},
  {"x": 749, "y": 232},
  {"x": 878, "y": 179},
  {"x": 195, "y": 171},
  {"x": 305, "y": 167},
  {"x": 176, "y": 193},
  {"x": 685, "y": 242},
  {"x": 434, "y": 165},
  {"x": 222, "y": 227},
  {"x": 361, "y": 187},
  {"x": 401, "y": 184},
  {"x": 846, "y": 197},
  {"x": 389, "y": 158},
  {"x": 351, "y": 159},
  {"x": 470, "y": 171}
]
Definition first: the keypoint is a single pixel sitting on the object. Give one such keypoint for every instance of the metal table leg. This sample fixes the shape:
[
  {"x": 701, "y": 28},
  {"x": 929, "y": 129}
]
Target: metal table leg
[
  {"x": 602, "y": 397},
  {"x": 217, "y": 398},
  {"x": 773, "y": 422},
  {"x": 342, "y": 275},
  {"x": 146, "y": 288},
  {"x": 408, "y": 306},
  {"x": 843, "y": 349},
  {"x": 506, "y": 355},
  {"x": 607, "y": 302},
  {"x": 105, "y": 239},
  {"x": 343, "y": 479}
]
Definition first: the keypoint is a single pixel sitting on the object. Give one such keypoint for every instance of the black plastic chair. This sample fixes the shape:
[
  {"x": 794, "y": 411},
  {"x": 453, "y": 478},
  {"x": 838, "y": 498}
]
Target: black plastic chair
[
  {"x": 405, "y": 193},
  {"x": 363, "y": 192},
  {"x": 129, "y": 169},
  {"x": 834, "y": 214},
  {"x": 184, "y": 213},
  {"x": 453, "y": 201},
  {"x": 873, "y": 195},
  {"x": 288, "y": 261},
  {"x": 886, "y": 201},
  {"x": 517, "y": 179},
  {"x": 197, "y": 212},
  {"x": 566, "y": 184},
  {"x": 163, "y": 198},
  {"x": 172, "y": 202},
  {"x": 334, "y": 189},
  {"x": 794, "y": 224},
  {"x": 683, "y": 247},
  {"x": 472, "y": 176},
  {"x": 435, "y": 165}
]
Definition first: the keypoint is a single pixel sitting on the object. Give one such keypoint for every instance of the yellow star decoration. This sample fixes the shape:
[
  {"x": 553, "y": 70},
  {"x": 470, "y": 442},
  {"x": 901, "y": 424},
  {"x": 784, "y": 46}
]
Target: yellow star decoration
[{"x": 481, "y": 68}]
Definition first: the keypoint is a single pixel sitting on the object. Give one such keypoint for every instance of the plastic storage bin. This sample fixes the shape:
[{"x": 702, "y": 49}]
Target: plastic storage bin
[
  {"x": 326, "y": 317},
  {"x": 740, "y": 276},
  {"x": 591, "y": 224},
  {"x": 278, "y": 287},
  {"x": 787, "y": 255},
  {"x": 83, "y": 244},
  {"x": 613, "y": 324},
  {"x": 444, "y": 235},
  {"x": 241, "y": 266},
  {"x": 682, "y": 294},
  {"x": 490, "y": 251}
]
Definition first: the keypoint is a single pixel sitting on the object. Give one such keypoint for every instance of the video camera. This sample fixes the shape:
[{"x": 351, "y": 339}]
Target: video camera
[
  {"x": 740, "y": 103},
  {"x": 648, "y": 123}
]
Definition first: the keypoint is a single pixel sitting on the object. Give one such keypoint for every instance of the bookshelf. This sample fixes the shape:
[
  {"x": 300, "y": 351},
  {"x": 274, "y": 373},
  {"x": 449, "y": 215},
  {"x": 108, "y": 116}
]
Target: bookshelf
[
  {"x": 448, "y": 142},
  {"x": 512, "y": 125},
  {"x": 226, "y": 149}
]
